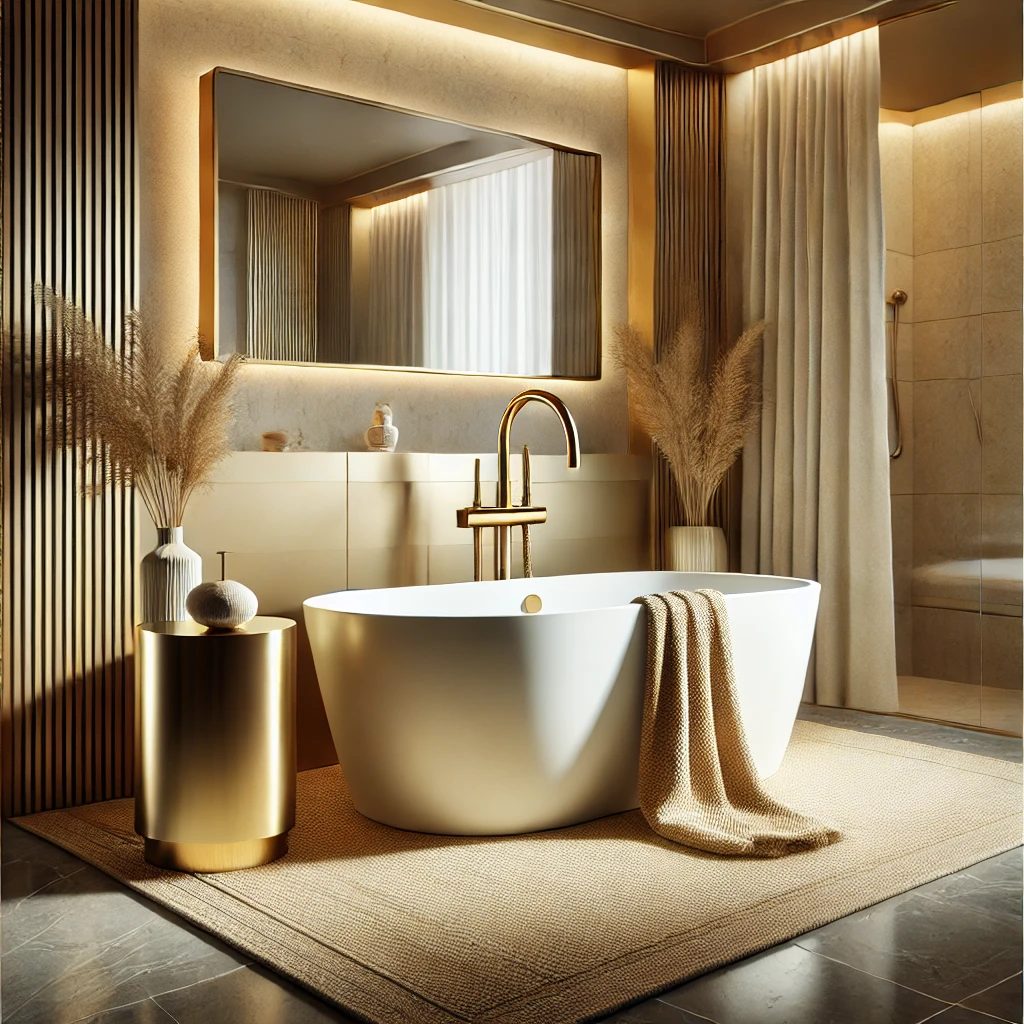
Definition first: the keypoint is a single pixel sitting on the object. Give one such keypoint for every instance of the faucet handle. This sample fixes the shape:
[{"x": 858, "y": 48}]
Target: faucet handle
[
  {"x": 477, "y": 501},
  {"x": 526, "y": 475}
]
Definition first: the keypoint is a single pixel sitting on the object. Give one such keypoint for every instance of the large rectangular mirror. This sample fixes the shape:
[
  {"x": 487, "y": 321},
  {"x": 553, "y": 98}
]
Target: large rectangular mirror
[{"x": 340, "y": 231}]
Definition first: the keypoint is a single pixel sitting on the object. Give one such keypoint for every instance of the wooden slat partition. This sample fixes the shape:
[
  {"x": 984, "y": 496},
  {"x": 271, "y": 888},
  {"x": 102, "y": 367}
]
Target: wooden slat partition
[
  {"x": 689, "y": 131},
  {"x": 70, "y": 222}
]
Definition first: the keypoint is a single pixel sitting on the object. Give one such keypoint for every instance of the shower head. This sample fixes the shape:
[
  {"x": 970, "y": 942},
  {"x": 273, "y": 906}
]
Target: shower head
[{"x": 898, "y": 297}]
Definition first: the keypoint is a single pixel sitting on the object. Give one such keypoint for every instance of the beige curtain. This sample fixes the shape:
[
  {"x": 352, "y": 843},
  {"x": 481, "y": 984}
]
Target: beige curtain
[
  {"x": 334, "y": 284},
  {"x": 576, "y": 265},
  {"x": 396, "y": 284},
  {"x": 281, "y": 313},
  {"x": 805, "y": 215}
]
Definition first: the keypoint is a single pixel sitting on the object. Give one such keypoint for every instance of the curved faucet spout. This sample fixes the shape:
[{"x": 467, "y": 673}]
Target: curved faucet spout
[
  {"x": 572, "y": 446},
  {"x": 558, "y": 407}
]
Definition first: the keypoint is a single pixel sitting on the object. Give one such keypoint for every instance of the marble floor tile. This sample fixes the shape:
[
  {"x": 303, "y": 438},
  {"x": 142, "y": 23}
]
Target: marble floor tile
[
  {"x": 145, "y": 1012},
  {"x": 1002, "y": 1001},
  {"x": 84, "y": 943},
  {"x": 936, "y": 734},
  {"x": 946, "y": 951},
  {"x": 791, "y": 985},
  {"x": 656, "y": 1011},
  {"x": 18, "y": 845},
  {"x": 252, "y": 995},
  {"x": 962, "y": 1015},
  {"x": 993, "y": 896}
]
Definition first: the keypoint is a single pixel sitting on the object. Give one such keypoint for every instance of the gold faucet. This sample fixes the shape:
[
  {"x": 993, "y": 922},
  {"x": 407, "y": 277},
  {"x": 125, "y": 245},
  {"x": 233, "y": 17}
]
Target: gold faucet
[{"x": 505, "y": 515}]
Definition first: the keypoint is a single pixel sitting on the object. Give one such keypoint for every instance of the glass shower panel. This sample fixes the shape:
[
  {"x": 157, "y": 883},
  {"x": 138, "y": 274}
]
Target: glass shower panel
[{"x": 1002, "y": 424}]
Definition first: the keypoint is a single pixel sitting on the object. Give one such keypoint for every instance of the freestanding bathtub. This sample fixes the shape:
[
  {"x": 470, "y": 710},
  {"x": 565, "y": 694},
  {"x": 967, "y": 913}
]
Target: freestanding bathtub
[{"x": 456, "y": 711}]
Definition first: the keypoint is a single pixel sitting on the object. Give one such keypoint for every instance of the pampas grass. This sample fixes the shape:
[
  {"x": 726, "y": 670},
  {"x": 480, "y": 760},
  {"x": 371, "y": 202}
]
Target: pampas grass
[
  {"x": 697, "y": 417},
  {"x": 150, "y": 423}
]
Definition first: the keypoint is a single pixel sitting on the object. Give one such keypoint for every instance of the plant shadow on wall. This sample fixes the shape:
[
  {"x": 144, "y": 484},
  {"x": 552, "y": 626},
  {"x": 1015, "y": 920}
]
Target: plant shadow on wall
[
  {"x": 139, "y": 419},
  {"x": 698, "y": 412}
]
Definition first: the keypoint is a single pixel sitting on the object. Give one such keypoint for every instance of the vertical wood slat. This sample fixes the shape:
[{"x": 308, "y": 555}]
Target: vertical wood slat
[
  {"x": 282, "y": 291},
  {"x": 69, "y": 221},
  {"x": 689, "y": 248}
]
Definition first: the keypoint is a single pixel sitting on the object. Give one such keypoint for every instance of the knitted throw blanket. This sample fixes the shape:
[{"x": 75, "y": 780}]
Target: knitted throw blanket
[{"x": 698, "y": 783}]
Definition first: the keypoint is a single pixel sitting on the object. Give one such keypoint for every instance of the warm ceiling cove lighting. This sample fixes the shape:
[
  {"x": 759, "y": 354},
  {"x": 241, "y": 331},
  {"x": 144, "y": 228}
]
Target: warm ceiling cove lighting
[{"x": 420, "y": 22}]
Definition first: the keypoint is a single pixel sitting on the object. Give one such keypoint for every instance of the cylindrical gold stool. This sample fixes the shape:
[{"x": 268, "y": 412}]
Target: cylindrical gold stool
[{"x": 215, "y": 743}]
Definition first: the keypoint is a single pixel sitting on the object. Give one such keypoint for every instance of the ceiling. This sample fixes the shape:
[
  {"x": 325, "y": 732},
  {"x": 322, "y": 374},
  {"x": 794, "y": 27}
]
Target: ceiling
[
  {"x": 267, "y": 130},
  {"x": 947, "y": 48},
  {"x": 970, "y": 46}
]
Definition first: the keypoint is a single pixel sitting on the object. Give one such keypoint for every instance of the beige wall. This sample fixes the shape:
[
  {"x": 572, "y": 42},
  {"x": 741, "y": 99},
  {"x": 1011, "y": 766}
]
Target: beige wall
[
  {"x": 952, "y": 183},
  {"x": 379, "y": 55}
]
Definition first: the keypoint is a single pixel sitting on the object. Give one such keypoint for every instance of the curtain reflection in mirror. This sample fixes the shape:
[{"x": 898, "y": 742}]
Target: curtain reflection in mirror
[
  {"x": 281, "y": 322},
  {"x": 576, "y": 263},
  {"x": 493, "y": 273},
  {"x": 334, "y": 253},
  {"x": 395, "y": 331},
  {"x": 487, "y": 294}
]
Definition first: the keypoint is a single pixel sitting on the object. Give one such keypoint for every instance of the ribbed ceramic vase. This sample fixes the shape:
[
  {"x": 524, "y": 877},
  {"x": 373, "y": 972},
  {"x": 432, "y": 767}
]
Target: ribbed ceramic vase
[
  {"x": 696, "y": 549},
  {"x": 169, "y": 572}
]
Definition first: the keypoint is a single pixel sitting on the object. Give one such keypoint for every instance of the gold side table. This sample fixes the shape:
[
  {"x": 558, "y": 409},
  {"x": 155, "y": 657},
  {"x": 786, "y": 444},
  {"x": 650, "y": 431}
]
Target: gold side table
[{"x": 214, "y": 743}]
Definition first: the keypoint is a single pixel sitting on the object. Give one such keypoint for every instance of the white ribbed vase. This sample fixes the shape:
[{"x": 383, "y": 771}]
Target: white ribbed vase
[
  {"x": 169, "y": 572},
  {"x": 696, "y": 549}
]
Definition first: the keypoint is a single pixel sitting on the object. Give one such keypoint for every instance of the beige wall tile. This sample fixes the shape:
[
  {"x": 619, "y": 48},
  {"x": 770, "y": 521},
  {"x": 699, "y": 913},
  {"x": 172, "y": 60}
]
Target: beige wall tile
[
  {"x": 1002, "y": 343},
  {"x": 1002, "y": 423},
  {"x": 946, "y": 449},
  {"x": 388, "y": 514},
  {"x": 947, "y": 182},
  {"x": 947, "y": 644},
  {"x": 1002, "y": 660},
  {"x": 1002, "y": 148},
  {"x": 369, "y": 568},
  {"x": 901, "y": 470},
  {"x": 266, "y": 516},
  {"x": 896, "y": 149},
  {"x": 899, "y": 273},
  {"x": 904, "y": 640},
  {"x": 592, "y": 509},
  {"x": 1001, "y": 525},
  {"x": 590, "y": 554},
  {"x": 905, "y": 349},
  {"x": 1002, "y": 275},
  {"x": 948, "y": 283},
  {"x": 946, "y": 527},
  {"x": 902, "y": 546},
  {"x": 947, "y": 348}
]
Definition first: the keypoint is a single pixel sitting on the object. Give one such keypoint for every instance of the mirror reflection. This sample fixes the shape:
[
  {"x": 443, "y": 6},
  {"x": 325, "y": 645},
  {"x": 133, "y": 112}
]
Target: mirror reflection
[{"x": 353, "y": 233}]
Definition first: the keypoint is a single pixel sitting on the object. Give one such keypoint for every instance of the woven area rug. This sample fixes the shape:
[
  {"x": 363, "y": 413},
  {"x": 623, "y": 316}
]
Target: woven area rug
[{"x": 565, "y": 925}]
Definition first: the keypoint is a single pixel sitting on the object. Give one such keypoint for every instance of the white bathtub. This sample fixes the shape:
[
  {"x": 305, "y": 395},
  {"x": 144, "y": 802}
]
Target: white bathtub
[{"x": 453, "y": 711}]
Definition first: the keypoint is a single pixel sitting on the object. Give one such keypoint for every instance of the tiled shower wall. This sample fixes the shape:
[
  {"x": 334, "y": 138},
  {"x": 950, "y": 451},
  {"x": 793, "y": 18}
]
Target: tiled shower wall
[{"x": 952, "y": 183}]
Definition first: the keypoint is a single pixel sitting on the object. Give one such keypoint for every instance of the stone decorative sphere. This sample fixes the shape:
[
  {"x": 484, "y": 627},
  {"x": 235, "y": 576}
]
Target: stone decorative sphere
[{"x": 225, "y": 604}]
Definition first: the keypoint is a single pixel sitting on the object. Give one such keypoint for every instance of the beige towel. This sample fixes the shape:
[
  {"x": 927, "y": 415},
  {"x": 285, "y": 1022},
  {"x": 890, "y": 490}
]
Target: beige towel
[{"x": 698, "y": 783}]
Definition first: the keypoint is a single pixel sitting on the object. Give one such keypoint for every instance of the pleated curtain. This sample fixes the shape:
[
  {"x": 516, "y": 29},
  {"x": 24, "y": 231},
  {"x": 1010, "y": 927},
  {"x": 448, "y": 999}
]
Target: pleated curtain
[
  {"x": 334, "y": 284},
  {"x": 282, "y": 288},
  {"x": 397, "y": 234},
  {"x": 487, "y": 297},
  {"x": 805, "y": 212},
  {"x": 576, "y": 264}
]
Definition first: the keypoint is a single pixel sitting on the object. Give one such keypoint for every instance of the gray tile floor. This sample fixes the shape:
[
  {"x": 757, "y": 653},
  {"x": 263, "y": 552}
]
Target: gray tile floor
[{"x": 78, "y": 946}]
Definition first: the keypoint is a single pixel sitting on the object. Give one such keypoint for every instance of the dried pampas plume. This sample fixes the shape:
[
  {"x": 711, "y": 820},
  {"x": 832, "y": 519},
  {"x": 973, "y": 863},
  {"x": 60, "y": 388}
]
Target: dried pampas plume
[
  {"x": 697, "y": 417},
  {"x": 147, "y": 422}
]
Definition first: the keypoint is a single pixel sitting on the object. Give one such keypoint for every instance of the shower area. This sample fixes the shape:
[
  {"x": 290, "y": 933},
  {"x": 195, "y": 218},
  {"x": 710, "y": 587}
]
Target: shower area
[{"x": 952, "y": 189}]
